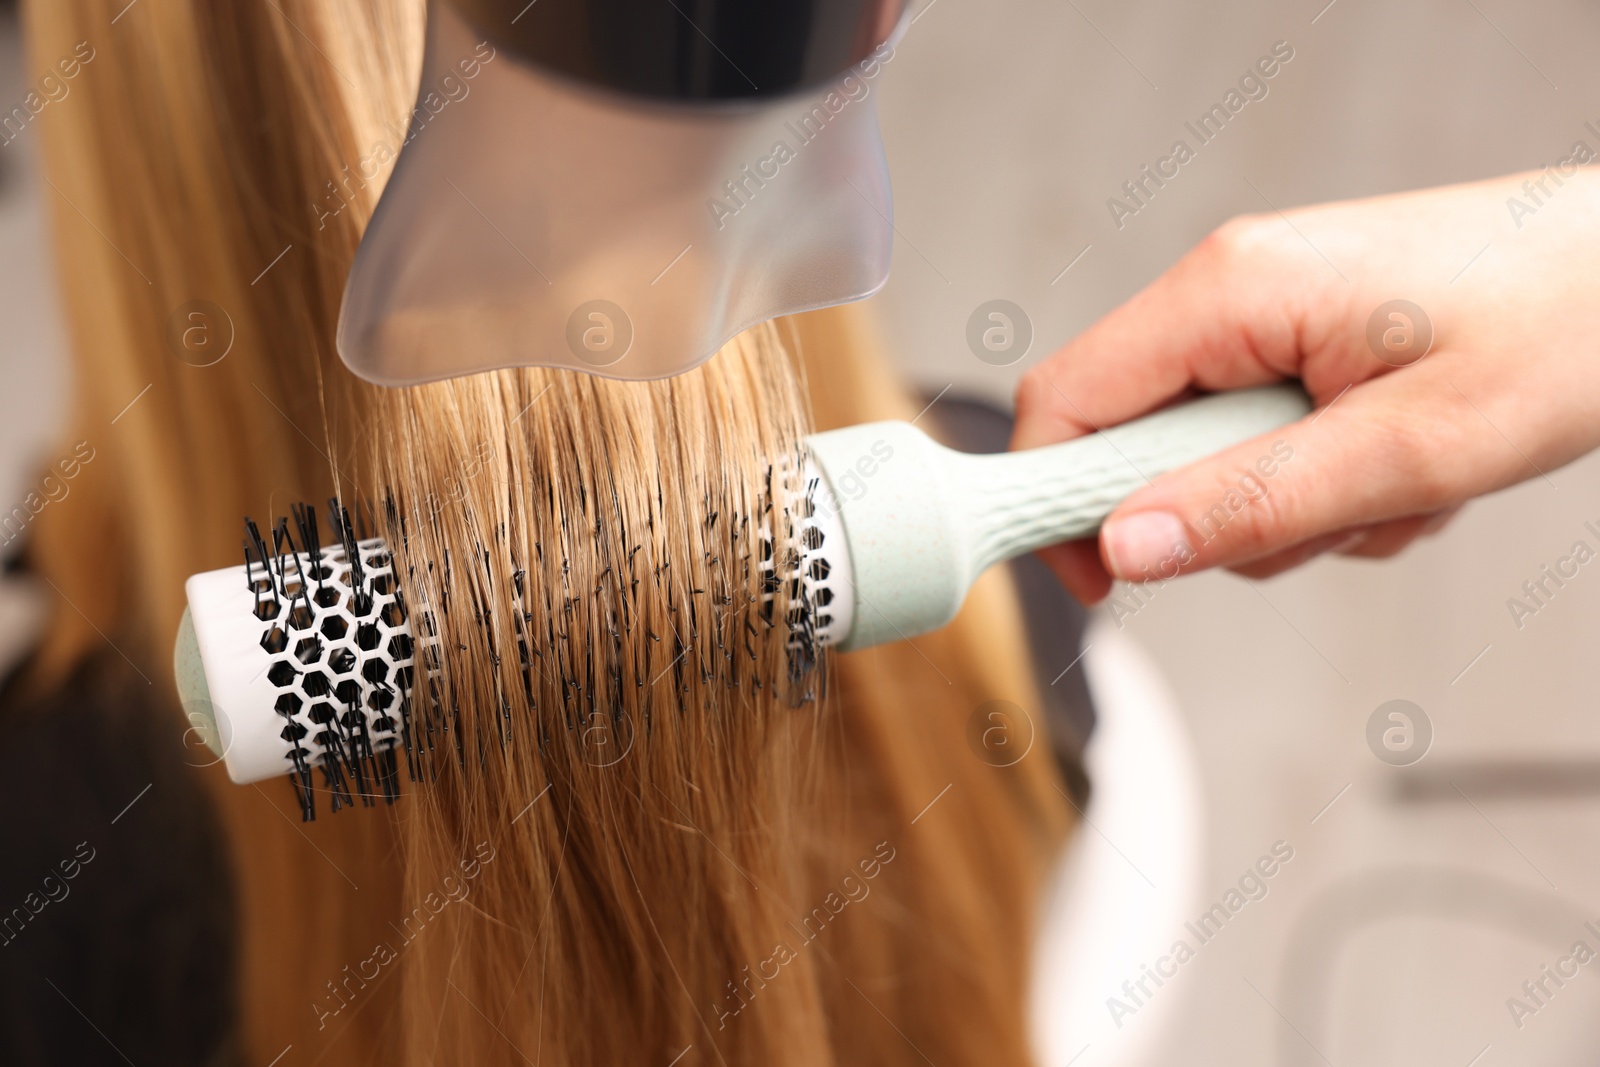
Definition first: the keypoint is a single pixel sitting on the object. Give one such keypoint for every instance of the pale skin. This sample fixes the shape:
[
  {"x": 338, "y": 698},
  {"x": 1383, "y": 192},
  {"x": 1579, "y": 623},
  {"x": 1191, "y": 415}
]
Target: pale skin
[{"x": 1509, "y": 390}]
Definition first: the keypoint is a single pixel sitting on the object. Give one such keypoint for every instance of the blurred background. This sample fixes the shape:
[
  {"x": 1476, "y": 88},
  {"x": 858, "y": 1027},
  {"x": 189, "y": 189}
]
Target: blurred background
[{"x": 1419, "y": 898}]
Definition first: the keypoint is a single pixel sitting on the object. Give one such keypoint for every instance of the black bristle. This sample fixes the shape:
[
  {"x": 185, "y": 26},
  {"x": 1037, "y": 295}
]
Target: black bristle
[
  {"x": 718, "y": 624},
  {"x": 305, "y": 518},
  {"x": 333, "y": 781},
  {"x": 300, "y": 780},
  {"x": 388, "y": 774},
  {"x": 255, "y": 542},
  {"x": 336, "y": 517}
]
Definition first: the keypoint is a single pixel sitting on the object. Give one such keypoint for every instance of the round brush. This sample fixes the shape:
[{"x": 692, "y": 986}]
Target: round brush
[{"x": 305, "y": 655}]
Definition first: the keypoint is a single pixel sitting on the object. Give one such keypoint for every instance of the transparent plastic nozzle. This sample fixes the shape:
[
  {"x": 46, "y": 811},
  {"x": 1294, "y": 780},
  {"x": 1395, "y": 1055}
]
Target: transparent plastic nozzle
[{"x": 534, "y": 221}]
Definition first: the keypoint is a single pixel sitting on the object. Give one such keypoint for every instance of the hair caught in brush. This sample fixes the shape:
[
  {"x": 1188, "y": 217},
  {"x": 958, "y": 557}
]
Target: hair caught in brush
[
  {"x": 625, "y": 685},
  {"x": 614, "y": 556},
  {"x": 636, "y": 843}
]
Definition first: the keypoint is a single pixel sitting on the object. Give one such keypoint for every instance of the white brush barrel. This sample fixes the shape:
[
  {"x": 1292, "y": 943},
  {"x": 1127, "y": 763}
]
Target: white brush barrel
[{"x": 261, "y": 658}]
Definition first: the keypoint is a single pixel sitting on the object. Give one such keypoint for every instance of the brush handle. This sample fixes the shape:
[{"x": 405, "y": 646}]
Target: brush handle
[
  {"x": 921, "y": 521},
  {"x": 1021, "y": 501}
]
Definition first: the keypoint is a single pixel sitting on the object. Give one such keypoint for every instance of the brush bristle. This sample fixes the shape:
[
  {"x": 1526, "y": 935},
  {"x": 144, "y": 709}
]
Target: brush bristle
[
  {"x": 360, "y": 669},
  {"x": 336, "y": 624}
]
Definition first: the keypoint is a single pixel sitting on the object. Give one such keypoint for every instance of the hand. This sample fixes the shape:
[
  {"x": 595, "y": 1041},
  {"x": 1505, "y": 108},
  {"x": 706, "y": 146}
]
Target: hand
[{"x": 1508, "y": 390}]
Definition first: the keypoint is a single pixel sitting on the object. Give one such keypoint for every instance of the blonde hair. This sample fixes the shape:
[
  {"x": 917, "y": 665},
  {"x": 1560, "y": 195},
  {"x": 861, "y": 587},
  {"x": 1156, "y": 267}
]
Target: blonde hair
[{"x": 744, "y": 874}]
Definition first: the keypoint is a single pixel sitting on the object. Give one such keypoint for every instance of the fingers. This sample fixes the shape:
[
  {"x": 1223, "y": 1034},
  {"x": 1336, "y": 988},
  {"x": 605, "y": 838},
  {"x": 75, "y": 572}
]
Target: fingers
[
  {"x": 1276, "y": 563},
  {"x": 1389, "y": 538},
  {"x": 1388, "y": 449},
  {"x": 1230, "y": 314},
  {"x": 1379, "y": 541},
  {"x": 1506, "y": 388},
  {"x": 1077, "y": 566}
]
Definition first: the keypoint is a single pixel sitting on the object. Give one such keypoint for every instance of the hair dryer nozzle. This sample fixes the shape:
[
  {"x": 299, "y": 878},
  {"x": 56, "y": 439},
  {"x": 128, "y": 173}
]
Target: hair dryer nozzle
[{"x": 535, "y": 221}]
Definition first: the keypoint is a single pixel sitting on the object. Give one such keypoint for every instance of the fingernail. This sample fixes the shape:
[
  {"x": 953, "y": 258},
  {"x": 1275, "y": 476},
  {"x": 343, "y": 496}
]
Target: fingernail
[{"x": 1146, "y": 544}]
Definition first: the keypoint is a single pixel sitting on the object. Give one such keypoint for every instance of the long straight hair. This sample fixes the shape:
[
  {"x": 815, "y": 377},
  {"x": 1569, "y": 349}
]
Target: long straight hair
[{"x": 655, "y": 831}]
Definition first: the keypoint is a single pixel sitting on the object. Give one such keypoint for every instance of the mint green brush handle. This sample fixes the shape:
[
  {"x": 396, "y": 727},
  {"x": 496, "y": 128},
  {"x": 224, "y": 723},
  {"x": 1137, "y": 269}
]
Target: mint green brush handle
[{"x": 921, "y": 521}]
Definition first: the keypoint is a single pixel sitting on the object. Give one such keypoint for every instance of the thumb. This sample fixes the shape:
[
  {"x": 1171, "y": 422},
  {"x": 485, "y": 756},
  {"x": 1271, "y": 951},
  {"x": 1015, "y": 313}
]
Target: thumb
[{"x": 1400, "y": 445}]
